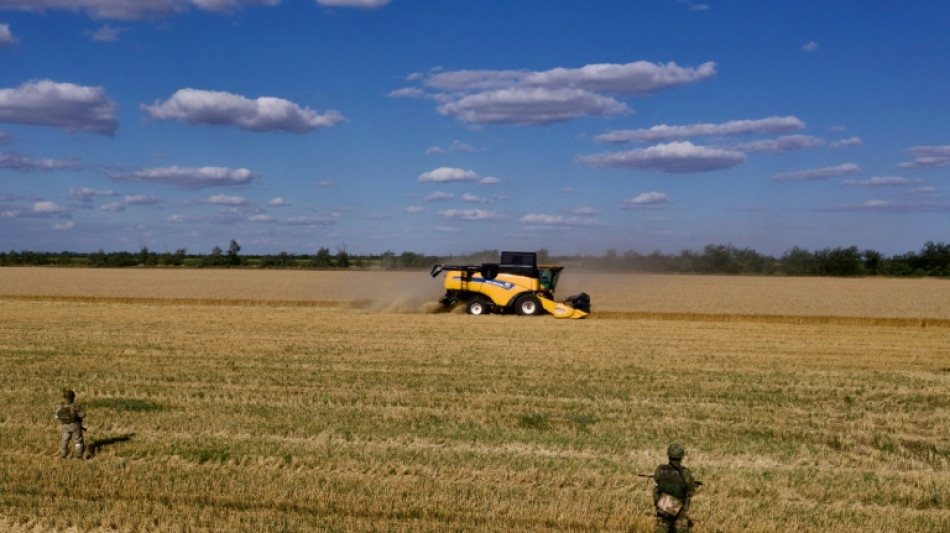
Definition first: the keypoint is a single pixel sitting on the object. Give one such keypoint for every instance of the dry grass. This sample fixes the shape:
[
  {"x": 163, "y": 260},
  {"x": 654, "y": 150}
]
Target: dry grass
[{"x": 216, "y": 414}]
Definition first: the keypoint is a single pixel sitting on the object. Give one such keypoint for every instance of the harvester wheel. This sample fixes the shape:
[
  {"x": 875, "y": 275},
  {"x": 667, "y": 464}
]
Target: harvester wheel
[
  {"x": 478, "y": 306},
  {"x": 528, "y": 305}
]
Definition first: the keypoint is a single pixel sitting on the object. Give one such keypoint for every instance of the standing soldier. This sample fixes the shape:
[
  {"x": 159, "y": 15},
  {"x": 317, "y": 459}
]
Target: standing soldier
[
  {"x": 673, "y": 488},
  {"x": 70, "y": 415}
]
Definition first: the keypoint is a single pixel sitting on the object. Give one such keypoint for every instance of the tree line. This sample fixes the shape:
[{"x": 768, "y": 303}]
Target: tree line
[{"x": 933, "y": 259}]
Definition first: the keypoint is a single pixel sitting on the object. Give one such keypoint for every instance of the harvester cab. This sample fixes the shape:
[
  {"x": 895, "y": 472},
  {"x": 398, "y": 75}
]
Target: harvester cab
[{"x": 516, "y": 284}]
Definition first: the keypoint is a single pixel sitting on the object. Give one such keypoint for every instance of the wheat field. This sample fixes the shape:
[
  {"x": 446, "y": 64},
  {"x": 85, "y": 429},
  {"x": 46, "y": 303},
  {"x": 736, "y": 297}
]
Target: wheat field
[{"x": 338, "y": 401}]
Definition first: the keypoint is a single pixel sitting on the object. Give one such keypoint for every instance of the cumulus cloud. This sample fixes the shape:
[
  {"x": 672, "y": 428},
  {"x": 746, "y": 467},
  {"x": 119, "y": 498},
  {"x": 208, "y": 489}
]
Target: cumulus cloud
[
  {"x": 489, "y": 180},
  {"x": 189, "y": 178},
  {"x": 884, "y": 181},
  {"x": 782, "y": 144},
  {"x": 647, "y": 199},
  {"x": 6, "y": 36},
  {"x": 62, "y": 105},
  {"x": 133, "y": 9},
  {"x": 19, "y": 162},
  {"x": 663, "y": 132},
  {"x": 433, "y": 150},
  {"x": 927, "y": 156},
  {"x": 85, "y": 193},
  {"x": 544, "y": 221},
  {"x": 225, "y": 199},
  {"x": 218, "y": 108},
  {"x": 675, "y": 157},
  {"x": 361, "y": 4},
  {"x": 844, "y": 169},
  {"x": 586, "y": 210},
  {"x": 439, "y": 196},
  {"x": 40, "y": 209},
  {"x": 107, "y": 34},
  {"x": 851, "y": 141},
  {"x": 810, "y": 46},
  {"x": 413, "y": 209},
  {"x": 448, "y": 174},
  {"x": 471, "y": 214},
  {"x": 886, "y": 206},
  {"x": 525, "y": 97},
  {"x": 141, "y": 199},
  {"x": 407, "y": 92},
  {"x": 278, "y": 202},
  {"x": 531, "y": 106}
]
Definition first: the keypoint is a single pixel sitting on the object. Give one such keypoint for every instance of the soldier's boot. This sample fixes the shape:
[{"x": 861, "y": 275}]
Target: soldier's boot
[{"x": 80, "y": 450}]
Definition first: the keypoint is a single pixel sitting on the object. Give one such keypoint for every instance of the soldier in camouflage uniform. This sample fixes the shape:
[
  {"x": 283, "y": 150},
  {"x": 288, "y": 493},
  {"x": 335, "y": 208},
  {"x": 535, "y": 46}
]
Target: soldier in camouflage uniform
[
  {"x": 70, "y": 414},
  {"x": 673, "y": 488}
]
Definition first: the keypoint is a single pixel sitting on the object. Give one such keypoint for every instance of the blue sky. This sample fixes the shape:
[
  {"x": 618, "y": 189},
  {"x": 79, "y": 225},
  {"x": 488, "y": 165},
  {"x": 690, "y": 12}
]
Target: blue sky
[{"x": 447, "y": 127}]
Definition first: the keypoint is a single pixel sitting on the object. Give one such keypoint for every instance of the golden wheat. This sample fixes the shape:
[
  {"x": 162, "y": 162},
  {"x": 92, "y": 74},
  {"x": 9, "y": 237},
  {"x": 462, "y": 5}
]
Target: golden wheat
[{"x": 216, "y": 413}]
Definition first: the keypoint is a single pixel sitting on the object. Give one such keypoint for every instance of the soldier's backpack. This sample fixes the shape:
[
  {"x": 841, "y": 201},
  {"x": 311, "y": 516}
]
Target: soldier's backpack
[
  {"x": 672, "y": 489},
  {"x": 66, "y": 414}
]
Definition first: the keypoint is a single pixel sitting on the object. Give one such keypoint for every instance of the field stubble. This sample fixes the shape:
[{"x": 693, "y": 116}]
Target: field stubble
[{"x": 211, "y": 413}]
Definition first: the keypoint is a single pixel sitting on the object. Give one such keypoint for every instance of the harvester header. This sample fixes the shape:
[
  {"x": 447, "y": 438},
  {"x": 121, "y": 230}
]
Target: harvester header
[{"x": 516, "y": 284}]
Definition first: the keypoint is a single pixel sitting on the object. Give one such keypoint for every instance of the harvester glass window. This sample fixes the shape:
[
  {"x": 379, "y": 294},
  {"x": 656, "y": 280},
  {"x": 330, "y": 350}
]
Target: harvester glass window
[{"x": 548, "y": 279}]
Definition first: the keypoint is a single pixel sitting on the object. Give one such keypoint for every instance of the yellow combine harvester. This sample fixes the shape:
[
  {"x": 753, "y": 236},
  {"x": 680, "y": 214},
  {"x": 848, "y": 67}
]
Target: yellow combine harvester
[{"x": 515, "y": 284}]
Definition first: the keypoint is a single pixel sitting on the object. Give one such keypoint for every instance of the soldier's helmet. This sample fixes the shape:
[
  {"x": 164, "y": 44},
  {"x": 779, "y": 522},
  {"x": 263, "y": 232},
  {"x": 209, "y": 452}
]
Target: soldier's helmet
[
  {"x": 69, "y": 395},
  {"x": 676, "y": 451}
]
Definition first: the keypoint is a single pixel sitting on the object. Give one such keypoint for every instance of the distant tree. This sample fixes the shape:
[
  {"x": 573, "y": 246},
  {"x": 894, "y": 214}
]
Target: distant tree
[
  {"x": 387, "y": 260},
  {"x": 233, "y": 258},
  {"x": 342, "y": 258},
  {"x": 799, "y": 262},
  {"x": 322, "y": 258}
]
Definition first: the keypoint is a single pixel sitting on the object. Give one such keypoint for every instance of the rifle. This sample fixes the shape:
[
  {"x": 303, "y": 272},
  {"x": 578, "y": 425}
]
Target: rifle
[{"x": 651, "y": 476}]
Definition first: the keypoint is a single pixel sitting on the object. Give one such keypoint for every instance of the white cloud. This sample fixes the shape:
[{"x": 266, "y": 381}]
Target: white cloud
[
  {"x": 107, "y": 33},
  {"x": 133, "y": 9},
  {"x": 927, "y": 156},
  {"x": 218, "y": 108},
  {"x": 470, "y": 214},
  {"x": 189, "y": 178},
  {"x": 40, "y": 209},
  {"x": 407, "y": 92},
  {"x": 531, "y": 106},
  {"x": 586, "y": 210},
  {"x": 434, "y": 150},
  {"x": 884, "y": 181},
  {"x": 84, "y": 193},
  {"x": 413, "y": 209},
  {"x": 112, "y": 207},
  {"x": 851, "y": 141},
  {"x": 326, "y": 183},
  {"x": 225, "y": 199},
  {"x": 448, "y": 174},
  {"x": 663, "y": 132},
  {"x": 844, "y": 169},
  {"x": 306, "y": 222},
  {"x": 647, "y": 199},
  {"x": 6, "y": 36},
  {"x": 886, "y": 206},
  {"x": 439, "y": 196},
  {"x": 676, "y": 157},
  {"x": 525, "y": 97},
  {"x": 141, "y": 199},
  {"x": 361, "y": 4},
  {"x": 459, "y": 146},
  {"x": 782, "y": 144},
  {"x": 278, "y": 202},
  {"x": 810, "y": 46},
  {"x": 489, "y": 180},
  {"x": 62, "y": 105},
  {"x": 537, "y": 221},
  {"x": 22, "y": 163},
  {"x": 63, "y": 226},
  {"x": 473, "y": 199}
]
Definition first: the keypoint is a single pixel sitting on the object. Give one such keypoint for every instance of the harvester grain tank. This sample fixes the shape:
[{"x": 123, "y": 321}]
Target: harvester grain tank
[{"x": 516, "y": 284}]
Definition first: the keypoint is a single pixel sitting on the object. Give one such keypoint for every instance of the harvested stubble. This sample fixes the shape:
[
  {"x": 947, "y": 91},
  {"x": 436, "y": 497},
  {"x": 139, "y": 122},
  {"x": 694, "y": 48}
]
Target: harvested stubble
[{"x": 209, "y": 416}]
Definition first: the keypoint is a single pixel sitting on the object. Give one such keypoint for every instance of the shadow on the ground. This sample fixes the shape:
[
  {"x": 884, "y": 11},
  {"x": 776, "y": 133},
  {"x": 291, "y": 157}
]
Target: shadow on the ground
[{"x": 98, "y": 444}]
